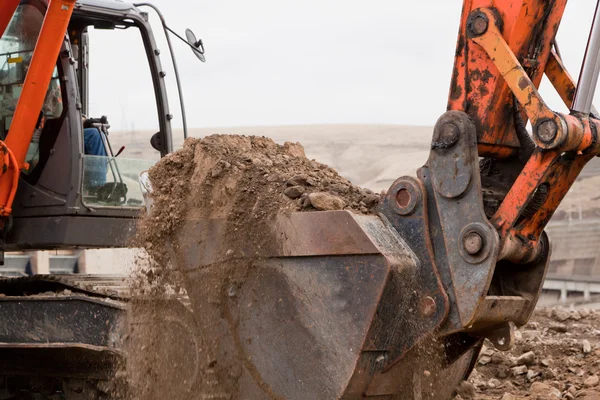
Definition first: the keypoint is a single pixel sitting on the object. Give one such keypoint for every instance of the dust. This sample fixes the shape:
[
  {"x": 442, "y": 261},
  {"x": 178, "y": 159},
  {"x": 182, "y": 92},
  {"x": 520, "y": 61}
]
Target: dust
[{"x": 216, "y": 200}]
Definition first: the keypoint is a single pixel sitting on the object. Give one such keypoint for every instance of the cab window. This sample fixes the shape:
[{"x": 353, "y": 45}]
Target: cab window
[
  {"x": 121, "y": 88},
  {"x": 16, "y": 51}
]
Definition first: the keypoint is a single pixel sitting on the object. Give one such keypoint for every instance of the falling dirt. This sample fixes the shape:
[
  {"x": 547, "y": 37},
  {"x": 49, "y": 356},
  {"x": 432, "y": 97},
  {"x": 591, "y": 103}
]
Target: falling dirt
[{"x": 244, "y": 183}]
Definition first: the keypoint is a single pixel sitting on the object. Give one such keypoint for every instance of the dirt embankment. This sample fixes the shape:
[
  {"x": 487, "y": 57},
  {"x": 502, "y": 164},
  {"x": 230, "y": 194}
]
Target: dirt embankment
[{"x": 556, "y": 356}]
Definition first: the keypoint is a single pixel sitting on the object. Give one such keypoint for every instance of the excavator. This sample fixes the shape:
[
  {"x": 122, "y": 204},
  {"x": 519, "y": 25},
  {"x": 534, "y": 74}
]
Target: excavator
[{"x": 394, "y": 305}]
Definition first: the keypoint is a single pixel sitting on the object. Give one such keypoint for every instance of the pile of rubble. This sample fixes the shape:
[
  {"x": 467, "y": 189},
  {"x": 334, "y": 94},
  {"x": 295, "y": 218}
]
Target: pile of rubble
[{"x": 556, "y": 356}]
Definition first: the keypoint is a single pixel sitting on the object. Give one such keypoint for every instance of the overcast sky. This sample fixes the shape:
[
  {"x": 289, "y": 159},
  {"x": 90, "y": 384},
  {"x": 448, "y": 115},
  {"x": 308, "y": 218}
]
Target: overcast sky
[{"x": 286, "y": 62}]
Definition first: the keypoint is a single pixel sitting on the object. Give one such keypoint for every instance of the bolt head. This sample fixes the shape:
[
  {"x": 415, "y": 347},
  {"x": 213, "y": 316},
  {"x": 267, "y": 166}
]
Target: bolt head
[
  {"x": 547, "y": 131},
  {"x": 428, "y": 306},
  {"x": 473, "y": 243},
  {"x": 478, "y": 24},
  {"x": 403, "y": 197},
  {"x": 406, "y": 198},
  {"x": 449, "y": 134}
]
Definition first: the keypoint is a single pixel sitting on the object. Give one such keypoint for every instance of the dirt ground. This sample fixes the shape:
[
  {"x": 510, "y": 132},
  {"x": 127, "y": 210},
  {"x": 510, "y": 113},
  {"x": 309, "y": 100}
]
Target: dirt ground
[{"x": 556, "y": 356}]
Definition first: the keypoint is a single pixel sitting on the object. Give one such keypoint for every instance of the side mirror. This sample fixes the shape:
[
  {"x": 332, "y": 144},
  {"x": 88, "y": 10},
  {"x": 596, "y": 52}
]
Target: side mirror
[
  {"x": 197, "y": 45},
  {"x": 156, "y": 142}
]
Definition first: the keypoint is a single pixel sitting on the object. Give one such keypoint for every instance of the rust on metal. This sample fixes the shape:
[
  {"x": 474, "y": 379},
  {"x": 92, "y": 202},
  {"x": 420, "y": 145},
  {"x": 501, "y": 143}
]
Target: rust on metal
[
  {"x": 403, "y": 197},
  {"x": 529, "y": 29}
]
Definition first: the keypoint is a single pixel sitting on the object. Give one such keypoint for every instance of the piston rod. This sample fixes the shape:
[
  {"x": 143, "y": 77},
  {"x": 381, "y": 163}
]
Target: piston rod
[{"x": 588, "y": 78}]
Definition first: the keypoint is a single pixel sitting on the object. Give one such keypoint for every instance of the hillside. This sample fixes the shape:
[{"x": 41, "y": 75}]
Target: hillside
[{"x": 371, "y": 156}]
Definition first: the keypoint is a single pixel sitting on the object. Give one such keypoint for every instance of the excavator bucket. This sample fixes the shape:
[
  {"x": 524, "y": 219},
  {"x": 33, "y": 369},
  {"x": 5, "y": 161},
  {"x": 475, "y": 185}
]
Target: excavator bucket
[
  {"x": 332, "y": 311},
  {"x": 305, "y": 286}
]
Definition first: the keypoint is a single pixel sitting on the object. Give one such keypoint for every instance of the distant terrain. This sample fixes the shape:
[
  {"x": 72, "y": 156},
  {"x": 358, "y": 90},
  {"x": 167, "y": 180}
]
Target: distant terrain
[{"x": 371, "y": 156}]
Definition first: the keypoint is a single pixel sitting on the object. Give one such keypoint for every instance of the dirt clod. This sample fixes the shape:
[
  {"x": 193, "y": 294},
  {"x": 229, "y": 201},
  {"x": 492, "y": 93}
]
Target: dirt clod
[
  {"x": 326, "y": 202},
  {"x": 294, "y": 192},
  {"x": 591, "y": 381}
]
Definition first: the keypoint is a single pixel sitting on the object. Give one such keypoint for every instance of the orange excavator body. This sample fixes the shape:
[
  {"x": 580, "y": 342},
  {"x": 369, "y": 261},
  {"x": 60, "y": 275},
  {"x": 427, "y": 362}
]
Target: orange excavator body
[{"x": 27, "y": 114}]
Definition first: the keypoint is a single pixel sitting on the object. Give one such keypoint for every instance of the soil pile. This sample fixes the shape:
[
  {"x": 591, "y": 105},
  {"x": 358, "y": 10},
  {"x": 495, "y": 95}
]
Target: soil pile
[
  {"x": 243, "y": 183},
  {"x": 224, "y": 166},
  {"x": 556, "y": 356}
]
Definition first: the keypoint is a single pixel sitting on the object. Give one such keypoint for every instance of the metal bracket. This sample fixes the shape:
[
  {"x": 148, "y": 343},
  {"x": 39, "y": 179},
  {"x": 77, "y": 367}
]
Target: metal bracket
[
  {"x": 471, "y": 241},
  {"x": 425, "y": 305}
]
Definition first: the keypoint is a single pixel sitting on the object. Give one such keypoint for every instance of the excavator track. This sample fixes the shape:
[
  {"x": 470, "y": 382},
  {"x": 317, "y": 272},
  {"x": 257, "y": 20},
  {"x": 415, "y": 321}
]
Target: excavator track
[{"x": 69, "y": 336}]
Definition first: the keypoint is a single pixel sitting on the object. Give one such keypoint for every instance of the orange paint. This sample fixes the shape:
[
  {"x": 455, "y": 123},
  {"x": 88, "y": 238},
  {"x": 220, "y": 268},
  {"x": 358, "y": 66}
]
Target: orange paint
[
  {"x": 32, "y": 97},
  {"x": 522, "y": 191},
  {"x": 478, "y": 87},
  {"x": 7, "y": 9},
  {"x": 561, "y": 79}
]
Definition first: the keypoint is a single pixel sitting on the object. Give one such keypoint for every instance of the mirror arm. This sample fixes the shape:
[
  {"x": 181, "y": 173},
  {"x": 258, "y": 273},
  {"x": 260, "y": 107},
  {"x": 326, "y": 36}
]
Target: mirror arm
[
  {"x": 177, "y": 79},
  {"x": 198, "y": 46}
]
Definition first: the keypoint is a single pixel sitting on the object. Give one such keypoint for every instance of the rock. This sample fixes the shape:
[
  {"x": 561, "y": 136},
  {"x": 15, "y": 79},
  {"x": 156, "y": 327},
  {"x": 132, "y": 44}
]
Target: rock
[
  {"x": 295, "y": 149},
  {"x": 466, "y": 390},
  {"x": 498, "y": 358},
  {"x": 584, "y": 312},
  {"x": 574, "y": 315},
  {"x": 339, "y": 188},
  {"x": 502, "y": 373},
  {"x": 294, "y": 192},
  {"x": 484, "y": 360},
  {"x": 371, "y": 200},
  {"x": 524, "y": 359},
  {"x": 520, "y": 370},
  {"x": 572, "y": 390},
  {"x": 273, "y": 178},
  {"x": 262, "y": 162},
  {"x": 545, "y": 362},
  {"x": 549, "y": 374},
  {"x": 303, "y": 180},
  {"x": 591, "y": 381},
  {"x": 586, "y": 346},
  {"x": 518, "y": 336},
  {"x": 326, "y": 202},
  {"x": 560, "y": 328},
  {"x": 494, "y": 383},
  {"x": 531, "y": 335},
  {"x": 531, "y": 374},
  {"x": 543, "y": 391},
  {"x": 508, "y": 396},
  {"x": 589, "y": 395},
  {"x": 559, "y": 314},
  {"x": 533, "y": 326}
]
